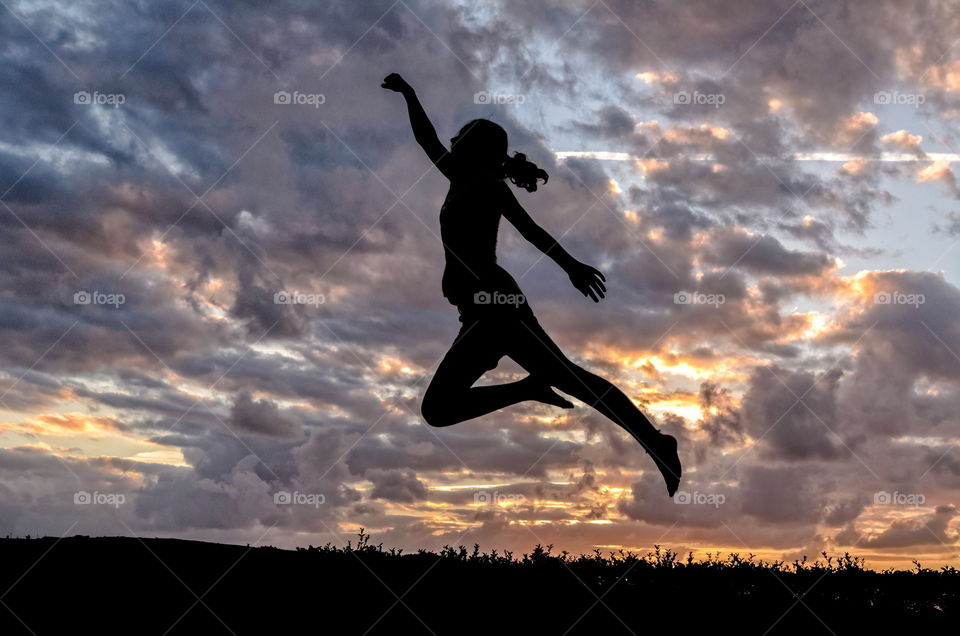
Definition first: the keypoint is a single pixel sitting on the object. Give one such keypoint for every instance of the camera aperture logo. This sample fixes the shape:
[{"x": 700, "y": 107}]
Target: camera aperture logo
[
  {"x": 498, "y": 298},
  {"x": 700, "y": 498},
  {"x": 899, "y": 298},
  {"x": 284, "y": 297},
  {"x": 487, "y": 498},
  {"x": 884, "y": 498},
  {"x": 96, "y": 98},
  {"x": 698, "y": 298},
  {"x": 95, "y": 498},
  {"x": 296, "y": 498},
  {"x": 486, "y": 97},
  {"x": 84, "y": 297},
  {"x": 896, "y": 98},
  {"x": 296, "y": 98},
  {"x": 696, "y": 98}
]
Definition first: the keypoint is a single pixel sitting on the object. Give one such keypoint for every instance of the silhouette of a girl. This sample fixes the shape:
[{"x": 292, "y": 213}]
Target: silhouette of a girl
[{"x": 497, "y": 320}]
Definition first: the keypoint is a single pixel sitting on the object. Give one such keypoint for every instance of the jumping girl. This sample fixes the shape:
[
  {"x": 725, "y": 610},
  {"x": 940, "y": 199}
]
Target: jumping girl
[{"x": 496, "y": 319}]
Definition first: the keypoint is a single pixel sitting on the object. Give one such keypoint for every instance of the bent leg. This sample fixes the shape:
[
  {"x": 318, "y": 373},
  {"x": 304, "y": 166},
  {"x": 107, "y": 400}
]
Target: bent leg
[
  {"x": 451, "y": 397},
  {"x": 449, "y": 402}
]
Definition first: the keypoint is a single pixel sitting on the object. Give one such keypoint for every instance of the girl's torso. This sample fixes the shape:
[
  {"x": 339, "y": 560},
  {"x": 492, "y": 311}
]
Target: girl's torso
[{"x": 469, "y": 220}]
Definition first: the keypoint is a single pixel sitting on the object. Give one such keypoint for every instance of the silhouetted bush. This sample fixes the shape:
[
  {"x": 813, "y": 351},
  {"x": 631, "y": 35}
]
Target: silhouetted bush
[{"x": 158, "y": 586}]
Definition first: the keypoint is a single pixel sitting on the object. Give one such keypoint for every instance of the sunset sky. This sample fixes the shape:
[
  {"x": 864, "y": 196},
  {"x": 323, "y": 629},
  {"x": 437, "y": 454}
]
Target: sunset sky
[{"x": 769, "y": 187}]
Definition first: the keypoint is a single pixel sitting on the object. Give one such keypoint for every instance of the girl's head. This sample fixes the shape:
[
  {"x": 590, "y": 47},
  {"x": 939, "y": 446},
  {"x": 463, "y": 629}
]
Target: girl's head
[{"x": 481, "y": 146}]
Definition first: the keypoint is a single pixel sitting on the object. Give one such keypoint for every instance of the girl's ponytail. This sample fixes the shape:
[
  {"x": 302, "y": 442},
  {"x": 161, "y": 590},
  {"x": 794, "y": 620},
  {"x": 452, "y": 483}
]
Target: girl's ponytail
[{"x": 524, "y": 174}]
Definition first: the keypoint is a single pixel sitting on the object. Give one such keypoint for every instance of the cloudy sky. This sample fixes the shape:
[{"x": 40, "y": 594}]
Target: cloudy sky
[{"x": 770, "y": 191}]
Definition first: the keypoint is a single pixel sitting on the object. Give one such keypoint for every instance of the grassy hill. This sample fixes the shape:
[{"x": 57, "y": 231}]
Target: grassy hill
[{"x": 170, "y": 586}]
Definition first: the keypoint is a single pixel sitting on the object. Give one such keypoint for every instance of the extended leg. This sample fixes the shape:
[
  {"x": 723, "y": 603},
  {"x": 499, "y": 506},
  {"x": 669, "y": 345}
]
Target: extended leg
[
  {"x": 543, "y": 358},
  {"x": 539, "y": 355}
]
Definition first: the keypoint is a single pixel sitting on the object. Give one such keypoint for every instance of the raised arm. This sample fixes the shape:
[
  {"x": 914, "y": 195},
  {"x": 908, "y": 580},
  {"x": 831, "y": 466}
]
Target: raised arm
[
  {"x": 423, "y": 130},
  {"x": 588, "y": 280}
]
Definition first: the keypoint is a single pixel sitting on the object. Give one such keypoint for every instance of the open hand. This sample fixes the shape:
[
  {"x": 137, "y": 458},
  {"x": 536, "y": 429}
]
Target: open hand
[
  {"x": 394, "y": 82},
  {"x": 588, "y": 280}
]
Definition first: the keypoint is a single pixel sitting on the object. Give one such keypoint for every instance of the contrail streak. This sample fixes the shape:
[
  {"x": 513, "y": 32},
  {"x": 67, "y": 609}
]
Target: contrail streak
[{"x": 840, "y": 157}]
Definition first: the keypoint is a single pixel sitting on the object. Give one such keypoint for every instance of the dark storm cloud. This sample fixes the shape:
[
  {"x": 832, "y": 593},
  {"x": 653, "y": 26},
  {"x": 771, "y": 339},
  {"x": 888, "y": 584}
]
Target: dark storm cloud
[
  {"x": 726, "y": 425},
  {"x": 792, "y": 415},
  {"x": 516, "y": 452},
  {"x": 396, "y": 485},
  {"x": 762, "y": 255},
  {"x": 613, "y": 122},
  {"x": 930, "y": 530},
  {"x": 781, "y": 494},
  {"x": 262, "y": 417}
]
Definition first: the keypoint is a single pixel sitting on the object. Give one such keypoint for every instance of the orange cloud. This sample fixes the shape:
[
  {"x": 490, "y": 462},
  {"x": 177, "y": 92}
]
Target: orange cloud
[
  {"x": 904, "y": 140},
  {"x": 938, "y": 171},
  {"x": 853, "y": 128},
  {"x": 66, "y": 425}
]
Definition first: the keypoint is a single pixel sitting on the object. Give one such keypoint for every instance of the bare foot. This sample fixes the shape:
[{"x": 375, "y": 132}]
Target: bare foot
[
  {"x": 543, "y": 392},
  {"x": 663, "y": 450}
]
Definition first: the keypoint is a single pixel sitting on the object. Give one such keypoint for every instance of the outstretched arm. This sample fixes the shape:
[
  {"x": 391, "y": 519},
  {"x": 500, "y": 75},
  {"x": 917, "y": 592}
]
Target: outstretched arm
[
  {"x": 423, "y": 130},
  {"x": 588, "y": 280}
]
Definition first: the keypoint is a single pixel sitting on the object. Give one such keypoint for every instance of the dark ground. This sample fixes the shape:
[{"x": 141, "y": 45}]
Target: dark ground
[{"x": 125, "y": 585}]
